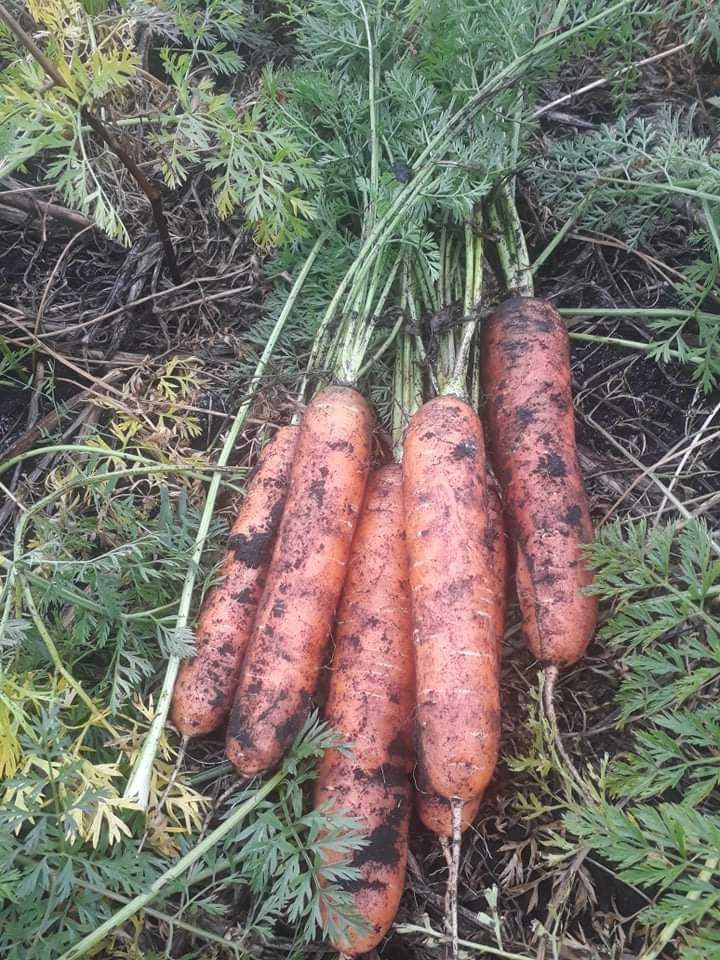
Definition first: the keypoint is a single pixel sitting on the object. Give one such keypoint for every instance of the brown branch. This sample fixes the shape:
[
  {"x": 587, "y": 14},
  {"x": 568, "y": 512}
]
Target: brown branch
[
  {"x": 17, "y": 187},
  {"x": 150, "y": 190},
  {"x": 29, "y": 205}
]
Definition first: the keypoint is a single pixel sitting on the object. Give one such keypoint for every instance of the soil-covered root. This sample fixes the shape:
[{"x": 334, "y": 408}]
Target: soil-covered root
[{"x": 287, "y": 646}]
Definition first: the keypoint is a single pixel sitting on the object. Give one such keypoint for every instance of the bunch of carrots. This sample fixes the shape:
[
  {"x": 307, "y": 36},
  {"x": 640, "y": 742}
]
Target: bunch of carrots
[{"x": 408, "y": 562}]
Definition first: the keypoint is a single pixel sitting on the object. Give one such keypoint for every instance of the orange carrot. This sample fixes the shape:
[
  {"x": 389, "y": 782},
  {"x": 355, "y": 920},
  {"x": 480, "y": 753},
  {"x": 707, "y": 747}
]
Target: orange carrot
[
  {"x": 526, "y": 378},
  {"x": 286, "y": 648},
  {"x": 206, "y": 684},
  {"x": 370, "y": 703},
  {"x": 434, "y": 811},
  {"x": 456, "y": 657},
  {"x": 497, "y": 560}
]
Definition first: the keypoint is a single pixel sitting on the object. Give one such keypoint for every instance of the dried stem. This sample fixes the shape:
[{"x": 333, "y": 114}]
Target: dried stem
[
  {"x": 604, "y": 81},
  {"x": 428, "y": 932},
  {"x": 447, "y": 853}
]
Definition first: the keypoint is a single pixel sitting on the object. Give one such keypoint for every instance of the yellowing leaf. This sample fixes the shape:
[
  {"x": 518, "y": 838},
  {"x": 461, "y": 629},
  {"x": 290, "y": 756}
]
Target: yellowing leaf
[
  {"x": 105, "y": 814},
  {"x": 10, "y": 751}
]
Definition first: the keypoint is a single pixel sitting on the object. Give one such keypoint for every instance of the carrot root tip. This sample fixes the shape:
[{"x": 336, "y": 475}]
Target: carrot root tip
[
  {"x": 452, "y": 856},
  {"x": 570, "y": 773}
]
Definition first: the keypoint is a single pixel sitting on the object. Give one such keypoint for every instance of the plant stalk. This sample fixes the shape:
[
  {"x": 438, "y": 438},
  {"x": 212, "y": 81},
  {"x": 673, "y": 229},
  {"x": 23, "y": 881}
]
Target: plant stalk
[
  {"x": 630, "y": 345},
  {"x": 407, "y": 376},
  {"x": 510, "y": 242},
  {"x": 467, "y": 944}
]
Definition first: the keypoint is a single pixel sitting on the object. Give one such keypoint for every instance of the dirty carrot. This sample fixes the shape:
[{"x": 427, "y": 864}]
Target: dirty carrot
[
  {"x": 206, "y": 683},
  {"x": 306, "y": 573},
  {"x": 435, "y": 812},
  {"x": 456, "y": 656},
  {"x": 370, "y": 704},
  {"x": 531, "y": 426}
]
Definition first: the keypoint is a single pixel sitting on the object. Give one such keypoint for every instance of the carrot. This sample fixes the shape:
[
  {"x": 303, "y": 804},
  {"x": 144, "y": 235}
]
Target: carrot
[
  {"x": 370, "y": 702},
  {"x": 434, "y": 811},
  {"x": 526, "y": 379},
  {"x": 456, "y": 657},
  {"x": 206, "y": 683},
  {"x": 497, "y": 560},
  {"x": 286, "y": 648}
]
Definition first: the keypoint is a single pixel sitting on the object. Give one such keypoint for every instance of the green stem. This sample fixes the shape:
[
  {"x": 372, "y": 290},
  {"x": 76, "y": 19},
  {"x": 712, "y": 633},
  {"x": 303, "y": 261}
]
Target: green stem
[
  {"x": 454, "y": 360},
  {"x": 662, "y": 188},
  {"x": 356, "y": 327},
  {"x": 636, "y": 312},
  {"x": 407, "y": 376},
  {"x": 98, "y": 935},
  {"x": 444, "y": 284},
  {"x": 712, "y": 226},
  {"x": 560, "y": 235},
  {"x": 510, "y": 242},
  {"x": 470, "y": 262},
  {"x": 104, "y": 454},
  {"x": 361, "y": 328},
  {"x": 475, "y": 388},
  {"x": 631, "y": 345},
  {"x": 367, "y": 331},
  {"x": 138, "y": 786},
  {"x": 668, "y": 932},
  {"x": 557, "y": 16},
  {"x": 427, "y": 292},
  {"x": 213, "y": 773},
  {"x": 383, "y": 348},
  {"x": 444, "y": 298},
  {"x": 473, "y": 294},
  {"x": 516, "y": 117},
  {"x": 372, "y": 102}
]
